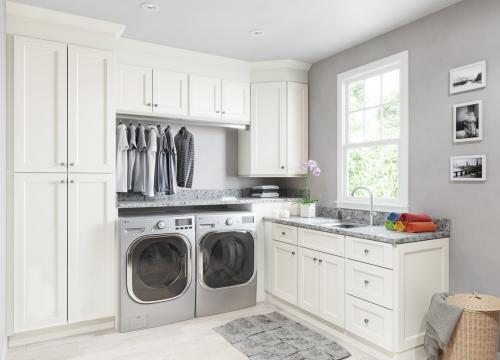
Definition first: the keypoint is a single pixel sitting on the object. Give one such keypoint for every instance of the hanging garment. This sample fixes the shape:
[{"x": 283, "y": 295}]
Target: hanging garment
[
  {"x": 152, "y": 147},
  {"x": 184, "y": 144},
  {"x": 132, "y": 152},
  {"x": 161, "y": 182},
  {"x": 121, "y": 158},
  {"x": 171, "y": 157},
  {"x": 139, "y": 182}
]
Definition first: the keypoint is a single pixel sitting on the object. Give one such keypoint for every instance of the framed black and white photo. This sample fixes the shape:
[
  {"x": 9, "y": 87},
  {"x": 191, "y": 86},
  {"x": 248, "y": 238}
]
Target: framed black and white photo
[
  {"x": 468, "y": 168},
  {"x": 468, "y": 122},
  {"x": 467, "y": 78}
]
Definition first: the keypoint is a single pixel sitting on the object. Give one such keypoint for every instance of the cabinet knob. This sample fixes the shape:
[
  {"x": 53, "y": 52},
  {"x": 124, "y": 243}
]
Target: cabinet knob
[
  {"x": 366, "y": 321},
  {"x": 283, "y": 233},
  {"x": 72, "y": 181},
  {"x": 366, "y": 282},
  {"x": 72, "y": 164},
  {"x": 315, "y": 259},
  {"x": 223, "y": 112},
  {"x": 366, "y": 251},
  {"x": 156, "y": 105},
  {"x": 63, "y": 181},
  {"x": 320, "y": 261},
  {"x": 217, "y": 111},
  {"x": 63, "y": 164},
  {"x": 282, "y": 167},
  {"x": 148, "y": 104},
  {"x": 293, "y": 252}
]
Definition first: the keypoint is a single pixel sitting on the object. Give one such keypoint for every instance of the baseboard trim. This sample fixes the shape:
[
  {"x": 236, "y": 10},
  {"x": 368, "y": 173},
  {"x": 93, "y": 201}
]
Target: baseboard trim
[
  {"x": 57, "y": 332},
  {"x": 417, "y": 353}
]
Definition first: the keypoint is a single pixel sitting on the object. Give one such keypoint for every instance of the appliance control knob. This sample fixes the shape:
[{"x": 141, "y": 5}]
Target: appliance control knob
[
  {"x": 161, "y": 225},
  {"x": 229, "y": 221}
]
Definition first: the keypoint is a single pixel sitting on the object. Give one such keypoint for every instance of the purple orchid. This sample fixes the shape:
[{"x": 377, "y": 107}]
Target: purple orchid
[{"x": 311, "y": 167}]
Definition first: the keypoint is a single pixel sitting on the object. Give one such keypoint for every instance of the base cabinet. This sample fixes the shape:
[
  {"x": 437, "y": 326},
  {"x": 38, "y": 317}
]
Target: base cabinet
[{"x": 373, "y": 291}]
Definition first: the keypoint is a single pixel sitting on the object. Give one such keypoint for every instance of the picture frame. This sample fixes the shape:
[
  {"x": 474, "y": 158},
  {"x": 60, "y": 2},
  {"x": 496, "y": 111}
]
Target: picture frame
[
  {"x": 467, "y": 78},
  {"x": 468, "y": 122},
  {"x": 468, "y": 168}
]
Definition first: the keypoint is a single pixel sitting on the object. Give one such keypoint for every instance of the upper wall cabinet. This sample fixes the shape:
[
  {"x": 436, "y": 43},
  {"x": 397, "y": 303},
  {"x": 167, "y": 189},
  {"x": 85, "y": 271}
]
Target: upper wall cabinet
[
  {"x": 276, "y": 144},
  {"x": 170, "y": 92},
  {"x": 40, "y": 105},
  {"x": 62, "y": 117},
  {"x": 219, "y": 100},
  {"x": 135, "y": 89}
]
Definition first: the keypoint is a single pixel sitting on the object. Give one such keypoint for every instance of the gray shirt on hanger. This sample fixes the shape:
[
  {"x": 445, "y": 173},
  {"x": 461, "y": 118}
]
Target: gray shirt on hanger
[{"x": 139, "y": 184}]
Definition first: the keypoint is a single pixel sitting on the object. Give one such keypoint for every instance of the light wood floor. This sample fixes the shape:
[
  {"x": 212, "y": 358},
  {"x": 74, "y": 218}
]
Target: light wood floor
[{"x": 189, "y": 340}]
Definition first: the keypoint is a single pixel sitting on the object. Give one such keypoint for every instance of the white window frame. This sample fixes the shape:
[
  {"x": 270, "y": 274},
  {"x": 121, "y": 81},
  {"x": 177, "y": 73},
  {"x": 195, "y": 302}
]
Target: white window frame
[{"x": 345, "y": 200}]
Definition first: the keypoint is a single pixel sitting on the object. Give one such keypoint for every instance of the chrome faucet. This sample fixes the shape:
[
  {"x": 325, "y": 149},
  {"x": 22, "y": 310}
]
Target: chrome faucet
[{"x": 371, "y": 200}]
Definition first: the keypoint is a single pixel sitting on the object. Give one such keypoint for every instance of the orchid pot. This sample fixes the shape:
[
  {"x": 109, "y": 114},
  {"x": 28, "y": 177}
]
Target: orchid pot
[{"x": 308, "y": 206}]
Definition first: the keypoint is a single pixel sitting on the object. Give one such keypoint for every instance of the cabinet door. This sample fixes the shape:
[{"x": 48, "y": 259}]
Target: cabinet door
[
  {"x": 170, "y": 92},
  {"x": 40, "y": 109},
  {"x": 39, "y": 251},
  {"x": 309, "y": 280},
  {"x": 91, "y": 246},
  {"x": 204, "y": 98},
  {"x": 236, "y": 101},
  {"x": 268, "y": 130},
  {"x": 297, "y": 127},
  {"x": 91, "y": 135},
  {"x": 285, "y": 271},
  {"x": 331, "y": 284},
  {"x": 135, "y": 89}
]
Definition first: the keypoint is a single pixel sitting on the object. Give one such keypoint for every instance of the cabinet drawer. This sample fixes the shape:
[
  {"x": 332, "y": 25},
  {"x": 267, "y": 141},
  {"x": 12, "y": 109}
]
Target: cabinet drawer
[
  {"x": 285, "y": 233},
  {"x": 370, "y": 322},
  {"x": 369, "y": 251},
  {"x": 322, "y": 241},
  {"x": 371, "y": 283}
]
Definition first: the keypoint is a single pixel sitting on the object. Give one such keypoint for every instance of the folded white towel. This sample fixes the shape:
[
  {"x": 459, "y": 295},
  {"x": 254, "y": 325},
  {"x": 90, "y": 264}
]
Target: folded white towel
[
  {"x": 266, "y": 195},
  {"x": 265, "y": 187}
]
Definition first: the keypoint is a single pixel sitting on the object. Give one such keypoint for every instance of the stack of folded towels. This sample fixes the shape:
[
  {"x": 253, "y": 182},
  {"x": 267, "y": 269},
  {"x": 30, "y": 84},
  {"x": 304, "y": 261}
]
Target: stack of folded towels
[
  {"x": 265, "y": 191},
  {"x": 407, "y": 222}
]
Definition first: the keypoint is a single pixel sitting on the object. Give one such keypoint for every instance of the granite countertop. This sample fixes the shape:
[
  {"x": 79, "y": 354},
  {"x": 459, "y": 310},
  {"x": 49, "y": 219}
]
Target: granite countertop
[
  {"x": 129, "y": 204},
  {"x": 376, "y": 233}
]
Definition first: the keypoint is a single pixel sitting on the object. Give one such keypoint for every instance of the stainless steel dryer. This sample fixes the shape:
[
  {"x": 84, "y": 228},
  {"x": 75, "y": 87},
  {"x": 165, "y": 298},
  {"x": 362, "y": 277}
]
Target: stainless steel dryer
[
  {"x": 157, "y": 270},
  {"x": 226, "y": 273}
]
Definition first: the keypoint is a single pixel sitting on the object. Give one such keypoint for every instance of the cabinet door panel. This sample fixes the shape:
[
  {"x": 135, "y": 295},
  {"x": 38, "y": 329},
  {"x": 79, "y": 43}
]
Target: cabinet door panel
[
  {"x": 204, "y": 98},
  {"x": 40, "y": 109},
  {"x": 170, "y": 92},
  {"x": 90, "y": 121},
  {"x": 331, "y": 279},
  {"x": 135, "y": 89},
  {"x": 268, "y": 130},
  {"x": 285, "y": 271},
  {"x": 39, "y": 251},
  {"x": 236, "y": 101},
  {"x": 309, "y": 280},
  {"x": 297, "y": 127},
  {"x": 91, "y": 247}
]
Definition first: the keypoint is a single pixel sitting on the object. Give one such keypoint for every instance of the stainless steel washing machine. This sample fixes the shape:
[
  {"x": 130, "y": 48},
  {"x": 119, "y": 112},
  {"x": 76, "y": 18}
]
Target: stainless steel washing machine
[
  {"x": 226, "y": 264},
  {"x": 157, "y": 270}
]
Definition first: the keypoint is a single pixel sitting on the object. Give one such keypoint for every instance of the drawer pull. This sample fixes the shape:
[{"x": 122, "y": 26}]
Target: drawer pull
[
  {"x": 366, "y": 321},
  {"x": 366, "y": 252},
  {"x": 283, "y": 233},
  {"x": 366, "y": 282}
]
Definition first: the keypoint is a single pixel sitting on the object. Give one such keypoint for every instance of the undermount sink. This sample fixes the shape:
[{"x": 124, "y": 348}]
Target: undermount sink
[{"x": 345, "y": 225}]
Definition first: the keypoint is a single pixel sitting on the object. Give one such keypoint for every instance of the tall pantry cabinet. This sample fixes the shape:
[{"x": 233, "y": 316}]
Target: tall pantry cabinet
[{"x": 63, "y": 185}]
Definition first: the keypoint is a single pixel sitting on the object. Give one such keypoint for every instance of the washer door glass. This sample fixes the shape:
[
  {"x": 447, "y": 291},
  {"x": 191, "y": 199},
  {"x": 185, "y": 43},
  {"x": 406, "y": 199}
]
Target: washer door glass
[
  {"x": 158, "y": 268},
  {"x": 227, "y": 258}
]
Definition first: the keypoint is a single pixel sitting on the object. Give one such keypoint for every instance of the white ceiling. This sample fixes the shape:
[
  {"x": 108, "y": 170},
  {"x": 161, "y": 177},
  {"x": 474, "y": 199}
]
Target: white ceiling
[{"x": 306, "y": 30}]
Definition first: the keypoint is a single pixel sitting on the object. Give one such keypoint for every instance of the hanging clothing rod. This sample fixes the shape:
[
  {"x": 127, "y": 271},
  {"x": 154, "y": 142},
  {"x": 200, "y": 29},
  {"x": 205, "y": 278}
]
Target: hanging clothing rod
[{"x": 165, "y": 121}]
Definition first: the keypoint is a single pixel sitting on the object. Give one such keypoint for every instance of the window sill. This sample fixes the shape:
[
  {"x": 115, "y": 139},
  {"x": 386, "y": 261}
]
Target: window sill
[{"x": 376, "y": 207}]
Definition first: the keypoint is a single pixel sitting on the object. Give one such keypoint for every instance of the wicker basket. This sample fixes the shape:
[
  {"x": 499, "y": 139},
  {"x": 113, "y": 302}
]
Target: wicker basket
[{"x": 476, "y": 333}]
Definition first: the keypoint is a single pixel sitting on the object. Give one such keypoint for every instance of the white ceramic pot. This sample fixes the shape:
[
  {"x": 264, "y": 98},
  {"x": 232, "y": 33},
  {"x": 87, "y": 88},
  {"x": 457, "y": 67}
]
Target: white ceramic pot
[{"x": 308, "y": 210}]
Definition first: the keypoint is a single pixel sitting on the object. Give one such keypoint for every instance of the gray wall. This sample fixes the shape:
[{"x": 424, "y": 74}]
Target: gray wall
[
  {"x": 459, "y": 35},
  {"x": 2, "y": 181}
]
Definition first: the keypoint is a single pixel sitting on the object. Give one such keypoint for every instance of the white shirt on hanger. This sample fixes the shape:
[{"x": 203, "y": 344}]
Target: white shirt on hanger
[
  {"x": 121, "y": 158},
  {"x": 152, "y": 147}
]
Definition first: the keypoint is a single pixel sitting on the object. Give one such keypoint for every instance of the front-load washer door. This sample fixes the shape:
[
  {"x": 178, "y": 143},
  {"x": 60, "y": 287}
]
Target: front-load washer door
[
  {"x": 226, "y": 259},
  {"x": 158, "y": 268}
]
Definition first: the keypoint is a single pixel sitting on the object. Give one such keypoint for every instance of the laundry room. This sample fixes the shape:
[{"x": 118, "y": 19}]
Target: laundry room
[{"x": 223, "y": 180}]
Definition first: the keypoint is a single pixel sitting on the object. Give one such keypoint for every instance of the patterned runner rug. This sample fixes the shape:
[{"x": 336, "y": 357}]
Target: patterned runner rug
[{"x": 275, "y": 337}]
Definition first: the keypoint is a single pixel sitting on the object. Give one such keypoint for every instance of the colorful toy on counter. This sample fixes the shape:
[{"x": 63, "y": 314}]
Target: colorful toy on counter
[{"x": 408, "y": 222}]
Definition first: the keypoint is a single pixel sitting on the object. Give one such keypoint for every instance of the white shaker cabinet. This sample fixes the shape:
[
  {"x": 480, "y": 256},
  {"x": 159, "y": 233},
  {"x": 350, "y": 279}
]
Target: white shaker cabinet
[
  {"x": 204, "y": 97},
  {"x": 91, "y": 246},
  {"x": 135, "y": 89},
  {"x": 285, "y": 266},
  {"x": 331, "y": 284},
  {"x": 40, "y": 105},
  {"x": 276, "y": 143},
  {"x": 235, "y": 101},
  {"x": 170, "y": 92},
  {"x": 308, "y": 291},
  {"x": 90, "y": 115},
  {"x": 39, "y": 251}
]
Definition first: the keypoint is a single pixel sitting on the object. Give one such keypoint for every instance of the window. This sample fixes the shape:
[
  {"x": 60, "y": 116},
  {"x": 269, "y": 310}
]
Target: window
[{"x": 373, "y": 134}]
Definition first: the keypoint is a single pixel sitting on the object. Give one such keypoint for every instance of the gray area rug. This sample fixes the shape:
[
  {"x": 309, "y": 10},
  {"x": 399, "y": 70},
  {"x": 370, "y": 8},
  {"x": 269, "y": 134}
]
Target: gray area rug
[{"x": 275, "y": 337}]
